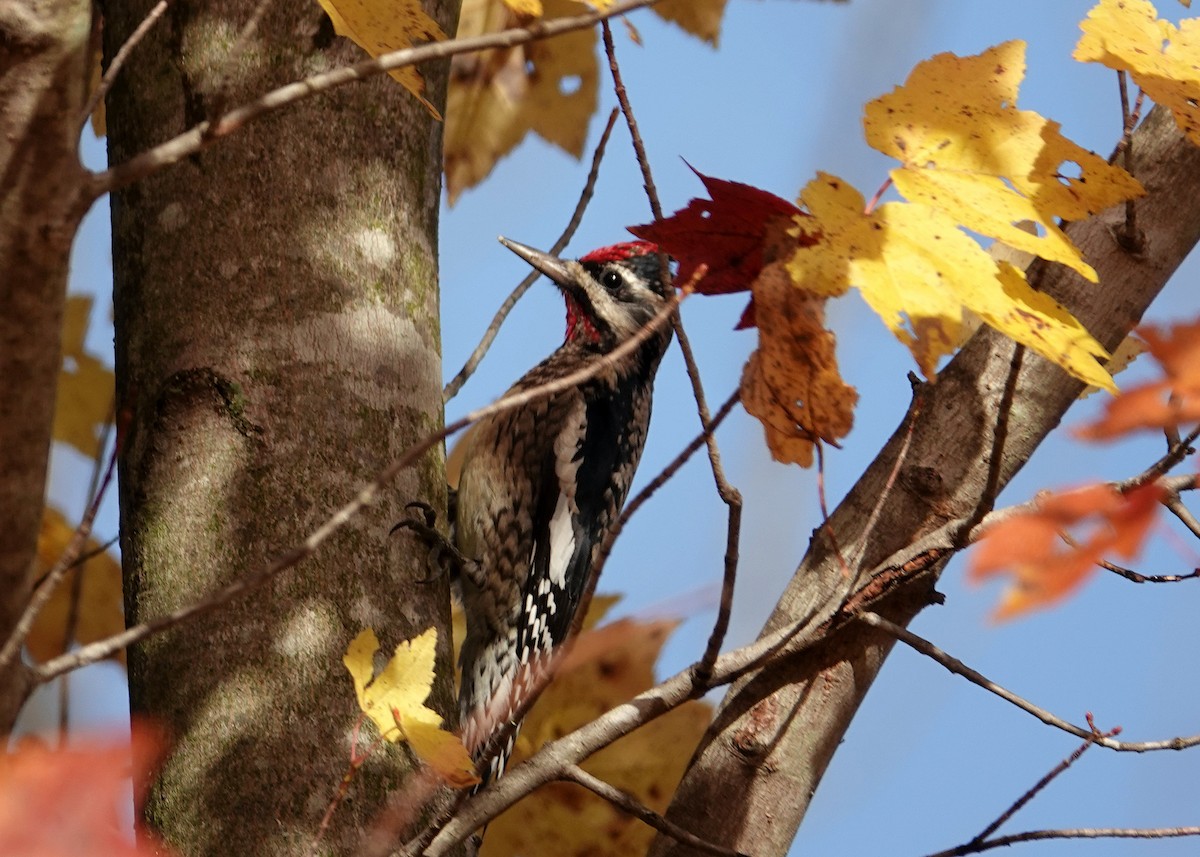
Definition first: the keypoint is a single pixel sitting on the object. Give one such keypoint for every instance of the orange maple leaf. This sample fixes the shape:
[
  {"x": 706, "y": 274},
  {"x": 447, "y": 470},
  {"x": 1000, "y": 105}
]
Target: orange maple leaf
[
  {"x": 1045, "y": 566},
  {"x": 1159, "y": 404},
  {"x": 68, "y": 803}
]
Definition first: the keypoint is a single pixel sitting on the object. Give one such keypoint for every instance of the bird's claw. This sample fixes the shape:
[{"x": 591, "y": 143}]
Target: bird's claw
[{"x": 443, "y": 555}]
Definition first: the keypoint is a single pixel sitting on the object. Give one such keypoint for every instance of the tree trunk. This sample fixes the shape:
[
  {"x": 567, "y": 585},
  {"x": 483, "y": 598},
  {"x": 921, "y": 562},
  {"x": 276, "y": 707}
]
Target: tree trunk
[
  {"x": 750, "y": 782},
  {"x": 43, "y": 75},
  {"x": 277, "y": 345}
]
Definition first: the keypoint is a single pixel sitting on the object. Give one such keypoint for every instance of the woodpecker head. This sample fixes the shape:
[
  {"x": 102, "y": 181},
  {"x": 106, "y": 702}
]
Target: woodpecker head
[{"x": 611, "y": 293}]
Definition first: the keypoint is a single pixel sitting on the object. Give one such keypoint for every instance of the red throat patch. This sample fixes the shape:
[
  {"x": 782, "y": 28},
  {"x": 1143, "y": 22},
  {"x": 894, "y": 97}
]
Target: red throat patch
[{"x": 578, "y": 324}]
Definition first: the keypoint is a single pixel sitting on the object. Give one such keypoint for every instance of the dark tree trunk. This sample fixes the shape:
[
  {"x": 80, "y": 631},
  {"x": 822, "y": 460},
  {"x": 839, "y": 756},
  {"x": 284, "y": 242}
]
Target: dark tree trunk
[
  {"x": 277, "y": 345},
  {"x": 44, "y": 51}
]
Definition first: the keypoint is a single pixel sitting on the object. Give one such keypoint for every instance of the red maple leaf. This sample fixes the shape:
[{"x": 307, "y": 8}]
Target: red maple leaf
[{"x": 733, "y": 233}]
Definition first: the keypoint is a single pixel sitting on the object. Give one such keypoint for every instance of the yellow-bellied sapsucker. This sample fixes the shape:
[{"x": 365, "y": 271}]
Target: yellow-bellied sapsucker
[{"x": 542, "y": 484}]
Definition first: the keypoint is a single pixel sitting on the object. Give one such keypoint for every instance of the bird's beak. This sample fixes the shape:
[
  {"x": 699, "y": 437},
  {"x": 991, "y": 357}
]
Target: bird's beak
[{"x": 552, "y": 266}]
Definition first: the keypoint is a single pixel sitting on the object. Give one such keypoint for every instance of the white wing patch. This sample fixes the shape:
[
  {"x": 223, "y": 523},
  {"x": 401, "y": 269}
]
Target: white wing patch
[
  {"x": 562, "y": 523},
  {"x": 562, "y": 541}
]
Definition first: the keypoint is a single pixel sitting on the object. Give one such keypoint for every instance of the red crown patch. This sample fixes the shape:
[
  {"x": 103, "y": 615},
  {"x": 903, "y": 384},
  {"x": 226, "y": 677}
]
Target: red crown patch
[{"x": 620, "y": 252}]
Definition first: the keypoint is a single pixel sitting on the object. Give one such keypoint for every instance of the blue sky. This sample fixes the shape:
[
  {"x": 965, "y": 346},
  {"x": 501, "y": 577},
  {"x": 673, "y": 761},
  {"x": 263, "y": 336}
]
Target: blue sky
[{"x": 930, "y": 760}]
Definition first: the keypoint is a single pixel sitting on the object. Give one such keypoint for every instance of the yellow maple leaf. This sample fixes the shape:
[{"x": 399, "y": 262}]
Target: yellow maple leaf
[
  {"x": 496, "y": 97},
  {"x": 1164, "y": 60},
  {"x": 701, "y": 18},
  {"x": 529, "y": 8},
  {"x": 919, "y": 271},
  {"x": 382, "y": 26},
  {"x": 101, "y": 606},
  {"x": 970, "y": 153},
  {"x": 85, "y": 385},
  {"x": 395, "y": 701}
]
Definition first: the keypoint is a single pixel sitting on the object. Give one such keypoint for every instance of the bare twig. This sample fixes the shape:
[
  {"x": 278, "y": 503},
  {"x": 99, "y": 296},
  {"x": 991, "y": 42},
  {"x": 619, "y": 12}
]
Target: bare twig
[
  {"x": 51, "y": 581},
  {"x": 957, "y": 667},
  {"x": 114, "y": 67},
  {"x": 631, "y": 805},
  {"x": 220, "y": 95},
  {"x": 1128, "y": 235},
  {"x": 71, "y": 626},
  {"x": 1175, "y": 505},
  {"x": 1138, "y": 577},
  {"x": 103, "y": 648},
  {"x": 729, "y": 495},
  {"x": 1041, "y": 784},
  {"x": 860, "y": 548},
  {"x": 202, "y": 136},
  {"x": 1070, "y": 833},
  {"x": 1176, "y": 453},
  {"x": 489, "y": 335},
  {"x": 991, "y": 489}
]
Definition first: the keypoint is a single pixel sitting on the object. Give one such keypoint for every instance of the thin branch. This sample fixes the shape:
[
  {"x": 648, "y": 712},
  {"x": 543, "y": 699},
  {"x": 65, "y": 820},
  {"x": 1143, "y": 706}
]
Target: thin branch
[
  {"x": 1041, "y": 784},
  {"x": 1070, "y": 833},
  {"x": 991, "y": 489},
  {"x": 553, "y": 757},
  {"x": 957, "y": 667},
  {"x": 631, "y": 805},
  {"x": 729, "y": 495},
  {"x": 366, "y": 495},
  {"x": 1129, "y": 236},
  {"x": 860, "y": 548},
  {"x": 489, "y": 335},
  {"x": 1176, "y": 453},
  {"x": 202, "y": 136},
  {"x": 1137, "y": 577},
  {"x": 114, "y": 67},
  {"x": 1175, "y": 505},
  {"x": 220, "y": 97},
  {"x": 874, "y": 200},
  {"x": 71, "y": 626},
  {"x": 51, "y": 581}
]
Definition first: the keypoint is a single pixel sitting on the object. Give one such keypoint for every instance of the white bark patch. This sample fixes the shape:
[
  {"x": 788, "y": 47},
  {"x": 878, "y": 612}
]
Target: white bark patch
[
  {"x": 309, "y": 631},
  {"x": 376, "y": 246}
]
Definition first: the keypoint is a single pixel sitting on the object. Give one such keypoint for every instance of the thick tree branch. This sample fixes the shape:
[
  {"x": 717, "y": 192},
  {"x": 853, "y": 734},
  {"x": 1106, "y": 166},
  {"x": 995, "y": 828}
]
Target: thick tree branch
[{"x": 750, "y": 782}]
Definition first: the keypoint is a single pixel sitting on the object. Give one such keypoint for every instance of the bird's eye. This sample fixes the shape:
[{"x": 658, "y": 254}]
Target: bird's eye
[{"x": 611, "y": 280}]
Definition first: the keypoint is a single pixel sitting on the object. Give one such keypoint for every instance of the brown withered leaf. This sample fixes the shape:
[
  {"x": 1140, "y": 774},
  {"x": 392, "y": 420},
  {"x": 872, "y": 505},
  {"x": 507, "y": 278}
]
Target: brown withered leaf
[
  {"x": 496, "y": 97},
  {"x": 791, "y": 383}
]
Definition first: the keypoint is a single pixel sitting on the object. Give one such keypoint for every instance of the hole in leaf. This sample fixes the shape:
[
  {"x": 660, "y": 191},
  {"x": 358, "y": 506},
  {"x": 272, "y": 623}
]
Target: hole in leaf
[{"x": 570, "y": 84}]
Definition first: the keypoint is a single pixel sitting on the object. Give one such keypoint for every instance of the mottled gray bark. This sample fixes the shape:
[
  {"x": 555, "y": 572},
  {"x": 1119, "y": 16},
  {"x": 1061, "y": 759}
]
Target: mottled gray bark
[
  {"x": 277, "y": 345},
  {"x": 750, "y": 783},
  {"x": 43, "y": 76}
]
